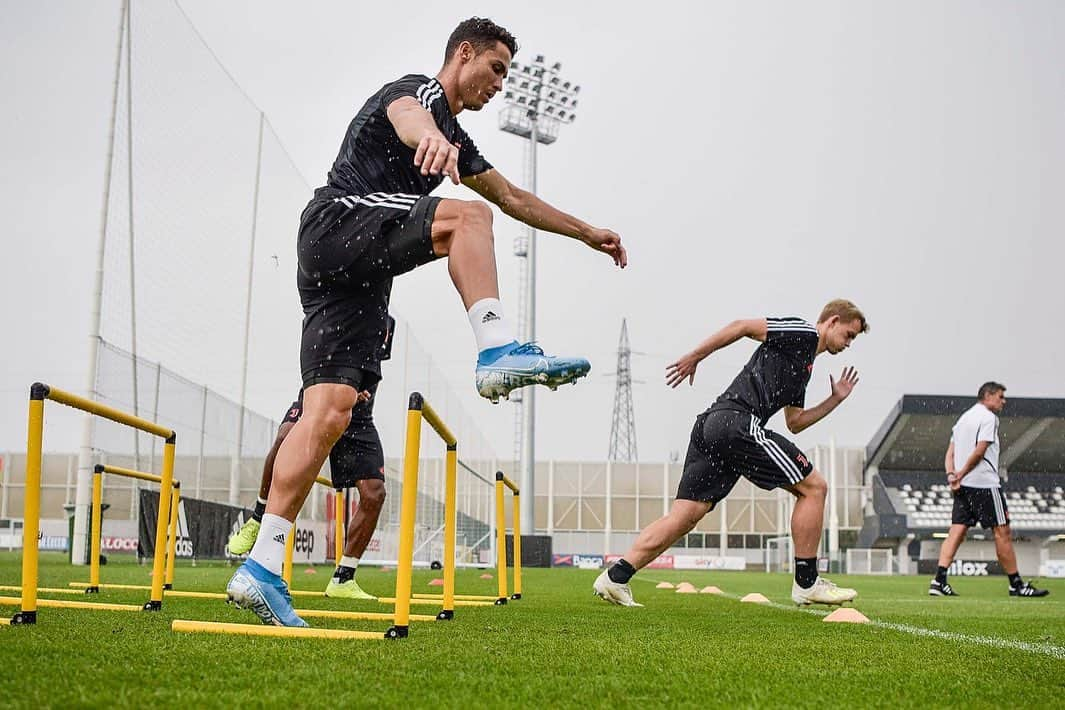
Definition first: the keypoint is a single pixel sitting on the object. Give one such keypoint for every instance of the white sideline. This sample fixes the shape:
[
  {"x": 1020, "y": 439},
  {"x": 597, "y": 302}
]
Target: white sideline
[{"x": 1044, "y": 649}]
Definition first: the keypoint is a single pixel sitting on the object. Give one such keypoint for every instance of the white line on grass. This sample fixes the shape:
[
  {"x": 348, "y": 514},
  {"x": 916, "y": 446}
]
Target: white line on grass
[{"x": 1045, "y": 649}]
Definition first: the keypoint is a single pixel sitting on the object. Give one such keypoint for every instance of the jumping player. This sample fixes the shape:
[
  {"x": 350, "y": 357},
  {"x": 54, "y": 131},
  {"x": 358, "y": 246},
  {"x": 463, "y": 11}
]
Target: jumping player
[
  {"x": 730, "y": 440},
  {"x": 374, "y": 220},
  {"x": 356, "y": 460}
]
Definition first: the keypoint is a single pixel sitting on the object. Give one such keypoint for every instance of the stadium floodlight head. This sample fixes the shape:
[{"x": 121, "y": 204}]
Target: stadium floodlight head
[{"x": 535, "y": 93}]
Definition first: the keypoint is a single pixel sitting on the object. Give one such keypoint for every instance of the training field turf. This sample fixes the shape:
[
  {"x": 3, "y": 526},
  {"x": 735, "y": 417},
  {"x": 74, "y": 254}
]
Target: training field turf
[{"x": 557, "y": 647}]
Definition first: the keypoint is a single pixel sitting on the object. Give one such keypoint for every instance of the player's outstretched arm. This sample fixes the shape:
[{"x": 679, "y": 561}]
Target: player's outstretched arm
[
  {"x": 526, "y": 207},
  {"x": 417, "y": 129},
  {"x": 684, "y": 368},
  {"x": 798, "y": 418}
]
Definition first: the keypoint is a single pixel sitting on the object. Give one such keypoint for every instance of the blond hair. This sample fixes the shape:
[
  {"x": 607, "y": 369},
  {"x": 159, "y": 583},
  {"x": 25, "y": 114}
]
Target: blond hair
[{"x": 846, "y": 311}]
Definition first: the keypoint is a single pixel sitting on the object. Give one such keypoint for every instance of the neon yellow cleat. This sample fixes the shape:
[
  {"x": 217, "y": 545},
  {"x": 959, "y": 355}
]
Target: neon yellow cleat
[
  {"x": 241, "y": 542},
  {"x": 347, "y": 590}
]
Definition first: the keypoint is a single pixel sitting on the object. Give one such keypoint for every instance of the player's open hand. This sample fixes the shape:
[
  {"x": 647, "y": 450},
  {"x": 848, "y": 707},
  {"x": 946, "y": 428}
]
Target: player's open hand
[
  {"x": 435, "y": 156},
  {"x": 676, "y": 372},
  {"x": 608, "y": 242},
  {"x": 841, "y": 389}
]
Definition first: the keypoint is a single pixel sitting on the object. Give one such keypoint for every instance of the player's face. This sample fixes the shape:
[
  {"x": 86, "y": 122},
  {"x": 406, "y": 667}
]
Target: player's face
[
  {"x": 996, "y": 402},
  {"x": 841, "y": 334},
  {"x": 482, "y": 75}
]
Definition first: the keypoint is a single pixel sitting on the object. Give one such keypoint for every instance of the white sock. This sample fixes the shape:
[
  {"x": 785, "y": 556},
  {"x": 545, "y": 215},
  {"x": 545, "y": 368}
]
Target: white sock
[
  {"x": 352, "y": 562},
  {"x": 490, "y": 328},
  {"x": 269, "y": 549}
]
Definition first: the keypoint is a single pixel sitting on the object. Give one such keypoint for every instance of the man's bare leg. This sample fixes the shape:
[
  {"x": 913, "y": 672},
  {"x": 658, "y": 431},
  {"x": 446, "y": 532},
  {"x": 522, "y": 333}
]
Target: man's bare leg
[
  {"x": 363, "y": 524},
  {"x": 949, "y": 548},
  {"x": 613, "y": 584},
  {"x": 326, "y": 413},
  {"x": 462, "y": 231},
  {"x": 657, "y": 537},
  {"x": 1007, "y": 557},
  {"x": 360, "y": 531},
  {"x": 807, "y": 520}
]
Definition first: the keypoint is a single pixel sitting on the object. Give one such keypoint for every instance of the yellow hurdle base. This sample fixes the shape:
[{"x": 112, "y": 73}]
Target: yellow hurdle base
[
  {"x": 435, "y": 602},
  {"x": 358, "y": 615},
  {"x": 166, "y": 593},
  {"x": 212, "y": 627},
  {"x": 467, "y": 597},
  {"x": 138, "y": 587},
  {"x": 46, "y": 590},
  {"x": 56, "y": 603},
  {"x": 196, "y": 595}
]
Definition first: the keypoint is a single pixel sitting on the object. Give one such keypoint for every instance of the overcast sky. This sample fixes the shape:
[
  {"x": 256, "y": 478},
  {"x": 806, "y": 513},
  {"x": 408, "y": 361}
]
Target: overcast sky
[{"x": 756, "y": 158}]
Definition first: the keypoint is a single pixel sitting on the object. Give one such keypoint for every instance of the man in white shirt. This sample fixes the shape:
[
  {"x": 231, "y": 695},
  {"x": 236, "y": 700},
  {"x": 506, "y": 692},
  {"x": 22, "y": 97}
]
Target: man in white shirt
[{"x": 972, "y": 472}]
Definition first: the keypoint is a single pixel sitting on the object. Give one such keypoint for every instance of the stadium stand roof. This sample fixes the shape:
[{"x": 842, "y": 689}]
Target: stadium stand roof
[{"x": 915, "y": 434}]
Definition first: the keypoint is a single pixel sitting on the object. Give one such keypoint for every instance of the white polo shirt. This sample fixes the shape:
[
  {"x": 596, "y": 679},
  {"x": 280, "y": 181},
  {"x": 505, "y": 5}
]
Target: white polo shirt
[{"x": 977, "y": 424}]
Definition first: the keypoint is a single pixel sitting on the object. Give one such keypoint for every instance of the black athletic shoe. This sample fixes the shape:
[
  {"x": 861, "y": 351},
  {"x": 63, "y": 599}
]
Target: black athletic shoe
[
  {"x": 1027, "y": 590},
  {"x": 935, "y": 589}
]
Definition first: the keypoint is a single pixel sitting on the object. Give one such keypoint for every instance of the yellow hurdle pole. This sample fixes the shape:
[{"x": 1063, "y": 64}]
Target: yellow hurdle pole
[
  {"x": 450, "y": 517},
  {"x": 97, "y": 521},
  {"x": 171, "y": 548},
  {"x": 338, "y": 532},
  {"x": 408, "y": 512},
  {"x": 501, "y": 541},
  {"x": 290, "y": 547},
  {"x": 31, "y": 514},
  {"x": 102, "y": 410},
  {"x": 517, "y": 547},
  {"x": 159, "y": 564},
  {"x": 130, "y": 473}
]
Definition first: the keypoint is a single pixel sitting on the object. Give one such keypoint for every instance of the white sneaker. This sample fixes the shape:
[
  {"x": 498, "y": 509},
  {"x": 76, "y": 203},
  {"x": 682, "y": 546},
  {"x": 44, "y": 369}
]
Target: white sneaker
[
  {"x": 613, "y": 592},
  {"x": 822, "y": 592}
]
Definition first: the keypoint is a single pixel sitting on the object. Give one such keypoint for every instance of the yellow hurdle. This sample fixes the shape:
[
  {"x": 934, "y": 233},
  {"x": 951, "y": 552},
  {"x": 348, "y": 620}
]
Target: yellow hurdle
[
  {"x": 290, "y": 543},
  {"x": 170, "y": 515},
  {"x": 417, "y": 410},
  {"x": 214, "y": 627},
  {"x": 57, "y": 604},
  {"x": 501, "y": 539},
  {"x": 171, "y": 548},
  {"x": 32, "y": 500}
]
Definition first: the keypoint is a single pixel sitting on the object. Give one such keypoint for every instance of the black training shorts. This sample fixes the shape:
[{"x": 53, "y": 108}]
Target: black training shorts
[
  {"x": 726, "y": 444},
  {"x": 350, "y": 247},
  {"x": 986, "y": 506}
]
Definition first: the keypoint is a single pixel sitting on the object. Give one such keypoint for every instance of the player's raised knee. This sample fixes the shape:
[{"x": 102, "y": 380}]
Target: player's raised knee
[{"x": 476, "y": 217}]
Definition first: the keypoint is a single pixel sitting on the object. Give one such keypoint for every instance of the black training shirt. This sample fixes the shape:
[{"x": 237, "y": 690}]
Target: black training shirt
[
  {"x": 373, "y": 159},
  {"x": 777, "y": 374}
]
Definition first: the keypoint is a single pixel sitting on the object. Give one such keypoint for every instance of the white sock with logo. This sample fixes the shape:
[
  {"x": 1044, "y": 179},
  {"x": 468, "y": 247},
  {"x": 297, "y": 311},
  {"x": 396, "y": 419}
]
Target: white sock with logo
[
  {"x": 490, "y": 328},
  {"x": 269, "y": 549}
]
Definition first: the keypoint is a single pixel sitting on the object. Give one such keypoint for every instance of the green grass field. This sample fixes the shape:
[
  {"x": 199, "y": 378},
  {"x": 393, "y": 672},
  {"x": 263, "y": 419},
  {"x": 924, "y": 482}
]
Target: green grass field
[{"x": 557, "y": 647}]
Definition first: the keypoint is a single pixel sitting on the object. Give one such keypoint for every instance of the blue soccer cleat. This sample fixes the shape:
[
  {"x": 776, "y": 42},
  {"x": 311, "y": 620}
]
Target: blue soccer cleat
[
  {"x": 253, "y": 587},
  {"x": 524, "y": 365}
]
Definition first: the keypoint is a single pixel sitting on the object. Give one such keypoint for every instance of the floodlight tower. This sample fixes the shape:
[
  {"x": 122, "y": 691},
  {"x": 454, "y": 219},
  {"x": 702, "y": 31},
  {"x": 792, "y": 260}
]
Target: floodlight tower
[{"x": 537, "y": 102}]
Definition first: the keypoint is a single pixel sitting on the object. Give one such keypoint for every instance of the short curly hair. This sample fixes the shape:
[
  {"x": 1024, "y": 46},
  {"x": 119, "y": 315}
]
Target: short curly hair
[{"x": 482, "y": 33}]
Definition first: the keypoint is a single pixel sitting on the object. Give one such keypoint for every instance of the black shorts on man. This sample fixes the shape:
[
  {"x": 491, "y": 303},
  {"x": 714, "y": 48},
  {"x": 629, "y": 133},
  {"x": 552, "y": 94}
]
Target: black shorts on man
[
  {"x": 730, "y": 440},
  {"x": 726, "y": 444},
  {"x": 372, "y": 221},
  {"x": 986, "y": 506}
]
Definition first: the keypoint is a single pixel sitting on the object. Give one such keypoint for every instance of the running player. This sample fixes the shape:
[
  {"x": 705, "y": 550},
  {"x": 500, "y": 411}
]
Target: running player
[
  {"x": 374, "y": 220},
  {"x": 730, "y": 440}
]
